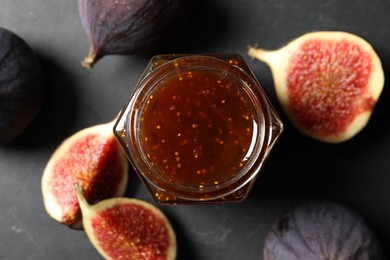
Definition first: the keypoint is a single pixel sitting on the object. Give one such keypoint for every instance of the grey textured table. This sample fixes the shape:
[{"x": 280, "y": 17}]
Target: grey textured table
[{"x": 356, "y": 172}]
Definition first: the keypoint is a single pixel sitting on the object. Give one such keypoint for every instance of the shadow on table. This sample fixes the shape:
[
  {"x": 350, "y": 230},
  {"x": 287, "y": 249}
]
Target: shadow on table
[{"x": 59, "y": 106}]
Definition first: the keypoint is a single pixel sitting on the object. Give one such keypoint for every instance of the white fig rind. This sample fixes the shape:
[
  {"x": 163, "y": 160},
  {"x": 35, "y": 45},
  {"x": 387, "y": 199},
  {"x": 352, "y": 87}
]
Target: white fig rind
[{"x": 278, "y": 61}]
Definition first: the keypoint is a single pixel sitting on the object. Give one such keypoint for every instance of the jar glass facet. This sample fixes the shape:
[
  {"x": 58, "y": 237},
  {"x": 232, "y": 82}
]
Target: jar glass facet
[{"x": 197, "y": 128}]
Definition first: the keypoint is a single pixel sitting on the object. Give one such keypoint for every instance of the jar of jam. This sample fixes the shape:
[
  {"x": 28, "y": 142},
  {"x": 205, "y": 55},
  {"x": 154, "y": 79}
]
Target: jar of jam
[{"x": 197, "y": 128}]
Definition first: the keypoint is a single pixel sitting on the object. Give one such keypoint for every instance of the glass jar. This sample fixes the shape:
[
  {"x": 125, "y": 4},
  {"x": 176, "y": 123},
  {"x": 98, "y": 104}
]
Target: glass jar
[{"x": 197, "y": 128}]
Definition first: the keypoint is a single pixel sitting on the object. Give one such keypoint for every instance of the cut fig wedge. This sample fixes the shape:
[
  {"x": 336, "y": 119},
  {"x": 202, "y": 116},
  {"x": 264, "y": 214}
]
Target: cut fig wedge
[
  {"x": 125, "y": 228},
  {"x": 326, "y": 82},
  {"x": 91, "y": 157}
]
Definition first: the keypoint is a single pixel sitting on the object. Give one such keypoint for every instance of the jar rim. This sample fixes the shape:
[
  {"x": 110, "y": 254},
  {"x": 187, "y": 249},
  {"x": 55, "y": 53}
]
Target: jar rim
[{"x": 251, "y": 87}]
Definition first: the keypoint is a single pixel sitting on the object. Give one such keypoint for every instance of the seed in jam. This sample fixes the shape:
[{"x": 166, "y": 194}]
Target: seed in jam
[{"x": 197, "y": 128}]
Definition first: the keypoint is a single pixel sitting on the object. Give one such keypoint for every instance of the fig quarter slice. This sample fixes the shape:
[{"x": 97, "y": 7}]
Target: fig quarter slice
[
  {"x": 91, "y": 157},
  {"x": 127, "y": 228},
  {"x": 327, "y": 82}
]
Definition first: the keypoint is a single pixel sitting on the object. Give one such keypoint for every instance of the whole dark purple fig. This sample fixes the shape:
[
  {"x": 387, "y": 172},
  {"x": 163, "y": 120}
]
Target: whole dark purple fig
[
  {"x": 21, "y": 85},
  {"x": 321, "y": 230},
  {"x": 130, "y": 26}
]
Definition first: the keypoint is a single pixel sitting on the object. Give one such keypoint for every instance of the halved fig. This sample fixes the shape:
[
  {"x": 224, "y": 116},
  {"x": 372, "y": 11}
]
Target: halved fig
[
  {"x": 327, "y": 82},
  {"x": 91, "y": 157},
  {"x": 125, "y": 228}
]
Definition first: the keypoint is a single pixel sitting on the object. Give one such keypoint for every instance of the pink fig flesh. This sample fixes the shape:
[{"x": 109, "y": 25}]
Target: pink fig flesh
[
  {"x": 333, "y": 90},
  {"x": 327, "y": 82},
  {"x": 147, "y": 231},
  {"x": 94, "y": 159},
  {"x": 124, "y": 228}
]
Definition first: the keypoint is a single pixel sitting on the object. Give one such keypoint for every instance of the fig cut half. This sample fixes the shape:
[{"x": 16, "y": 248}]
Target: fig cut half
[
  {"x": 127, "y": 228},
  {"x": 91, "y": 157},
  {"x": 327, "y": 82}
]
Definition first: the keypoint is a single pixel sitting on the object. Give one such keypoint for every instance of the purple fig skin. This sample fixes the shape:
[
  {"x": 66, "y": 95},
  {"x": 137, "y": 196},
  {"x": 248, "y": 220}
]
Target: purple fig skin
[
  {"x": 21, "y": 86},
  {"x": 321, "y": 230},
  {"x": 130, "y": 26}
]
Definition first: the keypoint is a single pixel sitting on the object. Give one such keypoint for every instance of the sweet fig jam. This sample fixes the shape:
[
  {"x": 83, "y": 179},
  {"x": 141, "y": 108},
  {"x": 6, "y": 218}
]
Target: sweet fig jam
[{"x": 197, "y": 128}]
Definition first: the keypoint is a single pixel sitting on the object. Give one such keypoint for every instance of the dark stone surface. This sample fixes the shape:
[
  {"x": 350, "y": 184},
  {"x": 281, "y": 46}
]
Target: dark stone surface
[{"x": 356, "y": 173}]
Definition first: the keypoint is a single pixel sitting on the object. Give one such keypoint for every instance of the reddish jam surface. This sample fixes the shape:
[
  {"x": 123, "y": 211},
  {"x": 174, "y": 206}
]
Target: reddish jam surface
[
  {"x": 327, "y": 85},
  {"x": 197, "y": 128}
]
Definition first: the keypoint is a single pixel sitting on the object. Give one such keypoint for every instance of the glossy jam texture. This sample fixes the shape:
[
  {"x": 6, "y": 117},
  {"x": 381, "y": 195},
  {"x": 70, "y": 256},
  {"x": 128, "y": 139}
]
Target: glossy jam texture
[{"x": 197, "y": 128}]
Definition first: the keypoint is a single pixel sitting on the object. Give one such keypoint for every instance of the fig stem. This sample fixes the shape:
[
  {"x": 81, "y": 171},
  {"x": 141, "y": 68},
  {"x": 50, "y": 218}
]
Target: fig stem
[
  {"x": 84, "y": 205},
  {"x": 91, "y": 59},
  {"x": 262, "y": 55},
  {"x": 87, "y": 62}
]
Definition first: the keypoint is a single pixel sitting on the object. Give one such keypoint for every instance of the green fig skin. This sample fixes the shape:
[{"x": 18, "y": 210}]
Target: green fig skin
[
  {"x": 21, "y": 86},
  {"x": 130, "y": 26}
]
